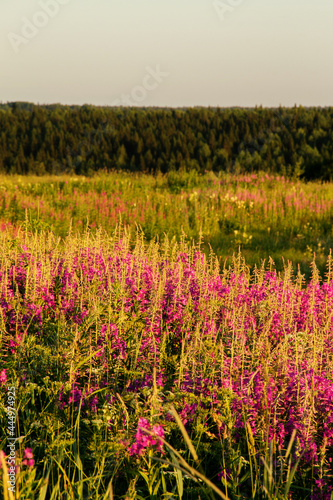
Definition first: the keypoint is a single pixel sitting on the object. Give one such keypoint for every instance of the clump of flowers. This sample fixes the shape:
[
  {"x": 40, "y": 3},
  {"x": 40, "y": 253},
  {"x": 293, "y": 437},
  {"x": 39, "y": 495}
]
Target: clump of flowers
[
  {"x": 28, "y": 458},
  {"x": 3, "y": 377},
  {"x": 143, "y": 440}
]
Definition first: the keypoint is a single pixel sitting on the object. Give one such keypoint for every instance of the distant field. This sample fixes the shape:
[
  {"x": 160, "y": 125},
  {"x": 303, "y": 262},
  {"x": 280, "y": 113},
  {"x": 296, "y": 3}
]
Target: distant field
[{"x": 262, "y": 215}]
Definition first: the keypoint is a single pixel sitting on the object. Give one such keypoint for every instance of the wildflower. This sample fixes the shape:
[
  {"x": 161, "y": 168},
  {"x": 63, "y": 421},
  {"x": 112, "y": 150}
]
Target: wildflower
[
  {"x": 144, "y": 440},
  {"x": 28, "y": 458},
  {"x": 225, "y": 474},
  {"x": 3, "y": 377}
]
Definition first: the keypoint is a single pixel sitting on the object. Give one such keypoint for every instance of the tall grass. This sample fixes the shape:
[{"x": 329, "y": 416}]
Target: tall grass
[
  {"x": 149, "y": 370},
  {"x": 263, "y": 215}
]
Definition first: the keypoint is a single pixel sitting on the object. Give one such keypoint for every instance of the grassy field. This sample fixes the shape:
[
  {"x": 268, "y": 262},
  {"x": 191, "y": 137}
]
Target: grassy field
[
  {"x": 140, "y": 368},
  {"x": 263, "y": 216}
]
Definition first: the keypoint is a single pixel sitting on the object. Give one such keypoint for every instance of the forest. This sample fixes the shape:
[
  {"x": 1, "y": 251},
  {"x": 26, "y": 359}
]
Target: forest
[{"x": 81, "y": 140}]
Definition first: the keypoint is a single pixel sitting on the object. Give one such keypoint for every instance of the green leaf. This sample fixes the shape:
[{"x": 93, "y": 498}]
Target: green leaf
[
  {"x": 157, "y": 487},
  {"x": 145, "y": 477},
  {"x": 179, "y": 476},
  {"x": 43, "y": 489}
]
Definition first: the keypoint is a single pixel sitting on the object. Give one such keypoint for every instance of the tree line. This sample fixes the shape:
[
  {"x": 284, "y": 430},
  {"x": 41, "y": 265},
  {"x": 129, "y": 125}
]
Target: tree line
[{"x": 81, "y": 140}]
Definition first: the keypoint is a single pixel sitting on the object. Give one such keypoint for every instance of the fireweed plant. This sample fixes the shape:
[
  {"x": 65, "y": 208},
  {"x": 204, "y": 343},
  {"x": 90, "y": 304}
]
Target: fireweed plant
[{"x": 148, "y": 370}]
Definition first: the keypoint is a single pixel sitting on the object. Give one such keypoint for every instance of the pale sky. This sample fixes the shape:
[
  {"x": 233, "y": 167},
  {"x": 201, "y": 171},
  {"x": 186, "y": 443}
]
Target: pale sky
[{"x": 167, "y": 52}]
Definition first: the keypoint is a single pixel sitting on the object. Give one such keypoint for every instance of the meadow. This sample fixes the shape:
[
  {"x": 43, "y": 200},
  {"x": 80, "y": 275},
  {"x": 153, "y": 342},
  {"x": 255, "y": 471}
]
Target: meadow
[
  {"x": 263, "y": 215},
  {"x": 158, "y": 344}
]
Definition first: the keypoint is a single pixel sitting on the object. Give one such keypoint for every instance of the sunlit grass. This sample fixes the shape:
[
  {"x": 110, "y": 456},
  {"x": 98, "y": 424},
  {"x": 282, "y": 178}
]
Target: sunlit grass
[
  {"x": 104, "y": 336},
  {"x": 264, "y": 216},
  {"x": 137, "y": 311}
]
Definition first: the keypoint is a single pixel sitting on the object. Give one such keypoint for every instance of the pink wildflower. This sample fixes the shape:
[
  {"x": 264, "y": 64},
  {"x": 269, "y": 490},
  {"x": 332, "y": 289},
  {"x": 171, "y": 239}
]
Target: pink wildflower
[
  {"x": 28, "y": 458},
  {"x": 145, "y": 440},
  {"x": 3, "y": 377}
]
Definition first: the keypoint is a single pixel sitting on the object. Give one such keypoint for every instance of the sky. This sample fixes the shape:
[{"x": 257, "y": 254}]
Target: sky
[{"x": 175, "y": 53}]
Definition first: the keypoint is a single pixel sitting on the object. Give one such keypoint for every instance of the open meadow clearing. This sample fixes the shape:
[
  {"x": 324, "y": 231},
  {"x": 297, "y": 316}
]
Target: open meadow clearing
[
  {"x": 263, "y": 215},
  {"x": 144, "y": 368}
]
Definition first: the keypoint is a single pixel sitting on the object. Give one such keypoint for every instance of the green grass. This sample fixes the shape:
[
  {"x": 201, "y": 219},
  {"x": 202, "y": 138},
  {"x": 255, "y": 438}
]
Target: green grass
[
  {"x": 58, "y": 288},
  {"x": 262, "y": 215}
]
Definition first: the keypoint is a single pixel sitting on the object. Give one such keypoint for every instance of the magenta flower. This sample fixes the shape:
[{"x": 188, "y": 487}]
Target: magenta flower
[
  {"x": 3, "y": 377},
  {"x": 144, "y": 440},
  {"x": 28, "y": 458}
]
